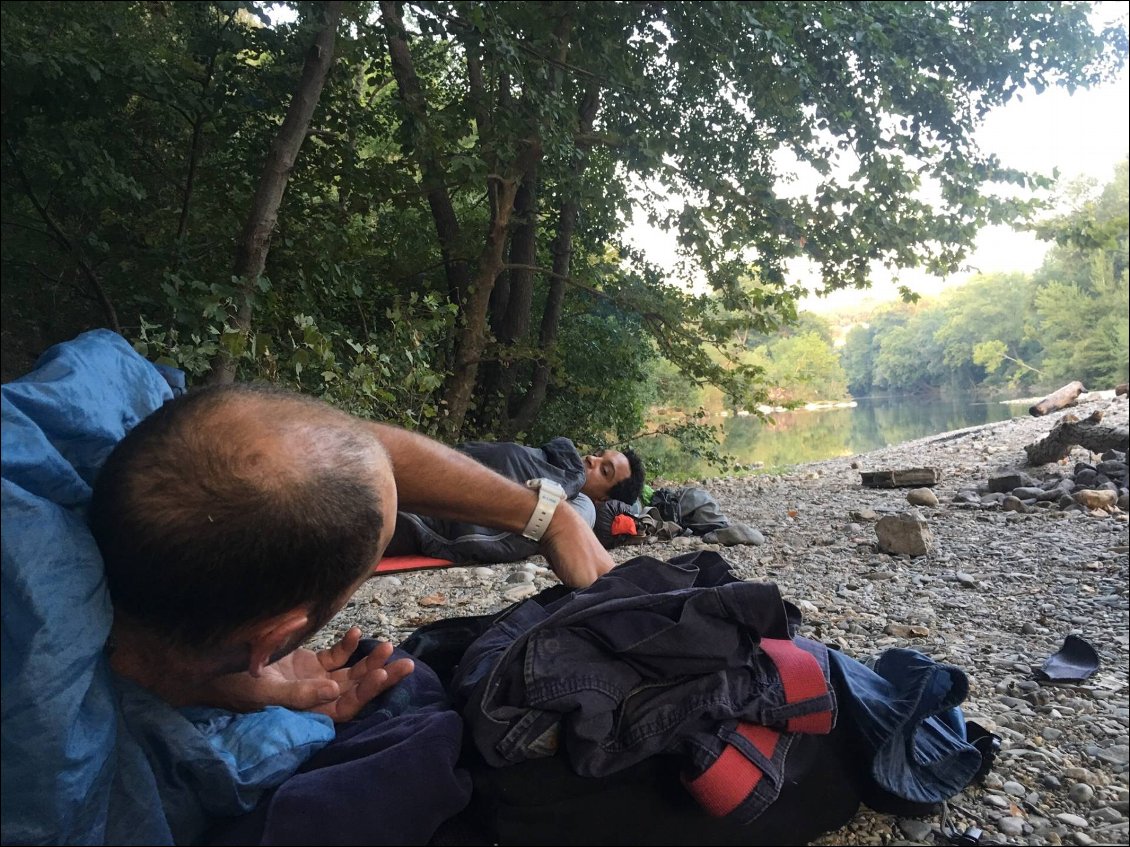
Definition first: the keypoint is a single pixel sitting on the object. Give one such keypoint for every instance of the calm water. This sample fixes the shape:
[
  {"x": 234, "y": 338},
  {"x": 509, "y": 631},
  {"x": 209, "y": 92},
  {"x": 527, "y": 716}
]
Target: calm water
[{"x": 809, "y": 436}]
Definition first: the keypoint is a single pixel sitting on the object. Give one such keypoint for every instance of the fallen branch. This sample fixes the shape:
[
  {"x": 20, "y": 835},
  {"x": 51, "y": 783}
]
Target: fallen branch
[
  {"x": 1065, "y": 396},
  {"x": 1070, "y": 432}
]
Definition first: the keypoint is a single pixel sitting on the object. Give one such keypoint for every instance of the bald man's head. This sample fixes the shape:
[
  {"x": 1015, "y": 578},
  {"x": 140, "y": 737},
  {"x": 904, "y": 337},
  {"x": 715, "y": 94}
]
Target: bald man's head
[{"x": 233, "y": 504}]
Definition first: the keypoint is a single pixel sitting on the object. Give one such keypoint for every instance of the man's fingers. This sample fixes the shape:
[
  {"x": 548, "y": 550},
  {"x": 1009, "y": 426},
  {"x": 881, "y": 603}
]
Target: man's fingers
[
  {"x": 336, "y": 656},
  {"x": 374, "y": 682},
  {"x": 300, "y": 695},
  {"x": 381, "y": 680}
]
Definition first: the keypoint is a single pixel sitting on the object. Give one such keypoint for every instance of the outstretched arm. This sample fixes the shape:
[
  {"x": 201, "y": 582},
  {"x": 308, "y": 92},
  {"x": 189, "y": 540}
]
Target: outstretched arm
[{"x": 432, "y": 479}]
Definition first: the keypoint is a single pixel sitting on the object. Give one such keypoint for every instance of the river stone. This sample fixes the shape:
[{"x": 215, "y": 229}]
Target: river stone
[
  {"x": 922, "y": 497},
  {"x": 915, "y": 830},
  {"x": 1011, "y": 826},
  {"x": 737, "y": 533},
  {"x": 1072, "y": 820},
  {"x": 1080, "y": 792},
  {"x": 1007, "y": 482},
  {"x": 1092, "y": 499},
  {"x": 1106, "y": 815},
  {"x": 1054, "y": 493},
  {"x": 1013, "y": 504},
  {"x": 906, "y": 532},
  {"x": 1025, "y": 492},
  {"x": 520, "y": 592}
]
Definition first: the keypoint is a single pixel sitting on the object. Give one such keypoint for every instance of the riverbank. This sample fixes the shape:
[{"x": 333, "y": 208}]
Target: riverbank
[{"x": 996, "y": 596}]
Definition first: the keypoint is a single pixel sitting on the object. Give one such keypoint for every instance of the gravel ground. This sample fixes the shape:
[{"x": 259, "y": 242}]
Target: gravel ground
[{"x": 996, "y": 596}]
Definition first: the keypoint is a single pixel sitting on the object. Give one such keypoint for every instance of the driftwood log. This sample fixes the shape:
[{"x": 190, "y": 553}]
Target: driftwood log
[
  {"x": 907, "y": 478},
  {"x": 1070, "y": 431},
  {"x": 1058, "y": 399}
]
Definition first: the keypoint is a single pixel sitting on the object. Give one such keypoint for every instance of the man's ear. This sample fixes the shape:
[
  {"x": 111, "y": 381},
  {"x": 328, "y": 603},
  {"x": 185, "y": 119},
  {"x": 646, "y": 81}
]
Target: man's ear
[{"x": 268, "y": 638}]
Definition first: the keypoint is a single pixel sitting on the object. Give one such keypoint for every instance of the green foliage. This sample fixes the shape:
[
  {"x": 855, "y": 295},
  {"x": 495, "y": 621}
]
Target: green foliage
[
  {"x": 857, "y": 358},
  {"x": 804, "y": 368},
  {"x": 135, "y": 134}
]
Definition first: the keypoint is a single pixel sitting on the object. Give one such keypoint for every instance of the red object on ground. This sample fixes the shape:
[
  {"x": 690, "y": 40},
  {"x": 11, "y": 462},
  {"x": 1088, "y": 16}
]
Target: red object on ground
[
  {"x": 623, "y": 525},
  {"x": 394, "y": 564}
]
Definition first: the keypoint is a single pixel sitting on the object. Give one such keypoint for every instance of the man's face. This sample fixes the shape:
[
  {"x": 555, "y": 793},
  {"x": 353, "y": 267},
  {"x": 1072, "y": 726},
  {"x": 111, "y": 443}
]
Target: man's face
[{"x": 602, "y": 471}]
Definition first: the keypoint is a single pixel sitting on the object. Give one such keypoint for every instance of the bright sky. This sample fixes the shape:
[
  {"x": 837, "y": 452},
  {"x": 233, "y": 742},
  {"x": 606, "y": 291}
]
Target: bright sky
[{"x": 1084, "y": 134}]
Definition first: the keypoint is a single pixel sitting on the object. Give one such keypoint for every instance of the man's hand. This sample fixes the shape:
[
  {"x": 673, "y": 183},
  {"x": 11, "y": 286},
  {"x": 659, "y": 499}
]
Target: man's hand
[
  {"x": 572, "y": 549},
  {"x": 306, "y": 680}
]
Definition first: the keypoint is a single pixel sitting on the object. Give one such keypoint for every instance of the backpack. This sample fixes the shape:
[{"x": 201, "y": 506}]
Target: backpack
[{"x": 543, "y": 801}]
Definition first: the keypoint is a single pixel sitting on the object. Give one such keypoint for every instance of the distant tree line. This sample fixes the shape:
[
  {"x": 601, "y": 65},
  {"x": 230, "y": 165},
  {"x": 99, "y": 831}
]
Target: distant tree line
[{"x": 1068, "y": 321}]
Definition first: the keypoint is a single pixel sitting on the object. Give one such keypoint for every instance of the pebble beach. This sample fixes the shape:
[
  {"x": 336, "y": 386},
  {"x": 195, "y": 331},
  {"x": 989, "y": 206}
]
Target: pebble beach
[{"x": 1003, "y": 582}]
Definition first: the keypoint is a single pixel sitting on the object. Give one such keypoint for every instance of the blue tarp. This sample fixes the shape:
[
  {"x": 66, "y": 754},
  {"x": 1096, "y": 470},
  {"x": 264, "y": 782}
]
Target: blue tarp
[{"x": 89, "y": 758}]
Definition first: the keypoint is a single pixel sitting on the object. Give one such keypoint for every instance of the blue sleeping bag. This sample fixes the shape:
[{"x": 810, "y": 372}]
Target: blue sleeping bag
[{"x": 89, "y": 758}]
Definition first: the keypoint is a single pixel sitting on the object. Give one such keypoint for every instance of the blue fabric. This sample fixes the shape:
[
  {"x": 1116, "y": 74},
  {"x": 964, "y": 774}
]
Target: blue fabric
[
  {"x": 906, "y": 712},
  {"x": 88, "y": 758}
]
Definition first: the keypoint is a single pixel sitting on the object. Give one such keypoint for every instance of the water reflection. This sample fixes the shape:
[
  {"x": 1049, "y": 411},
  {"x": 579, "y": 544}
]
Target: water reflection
[{"x": 810, "y": 436}]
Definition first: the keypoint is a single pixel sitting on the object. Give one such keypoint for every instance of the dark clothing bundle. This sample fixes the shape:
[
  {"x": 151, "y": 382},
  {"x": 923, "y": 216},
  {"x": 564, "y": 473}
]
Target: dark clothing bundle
[
  {"x": 654, "y": 658},
  {"x": 620, "y": 714},
  {"x": 681, "y": 658},
  {"x": 557, "y": 459},
  {"x": 388, "y": 777}
]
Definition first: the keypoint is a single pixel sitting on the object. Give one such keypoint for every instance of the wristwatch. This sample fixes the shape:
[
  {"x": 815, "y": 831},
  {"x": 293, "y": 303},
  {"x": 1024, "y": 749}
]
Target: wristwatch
[{"x": 550, "y": 493}]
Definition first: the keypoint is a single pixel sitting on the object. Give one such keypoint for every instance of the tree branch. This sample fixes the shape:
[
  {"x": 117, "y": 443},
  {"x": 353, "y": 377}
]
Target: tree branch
[{"x": 67, "y": 242}]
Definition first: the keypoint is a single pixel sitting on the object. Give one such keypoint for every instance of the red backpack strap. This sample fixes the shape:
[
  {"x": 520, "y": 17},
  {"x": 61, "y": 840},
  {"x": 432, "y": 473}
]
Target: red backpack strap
[
  {"x": 725, "y": 785},
  {"x": 736, "y": 774},
  {"x": 803, "y": 681}
]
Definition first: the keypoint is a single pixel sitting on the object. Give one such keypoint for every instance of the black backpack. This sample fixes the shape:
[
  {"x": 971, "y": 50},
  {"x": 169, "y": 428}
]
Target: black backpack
[{"x": 542, "y": 801}]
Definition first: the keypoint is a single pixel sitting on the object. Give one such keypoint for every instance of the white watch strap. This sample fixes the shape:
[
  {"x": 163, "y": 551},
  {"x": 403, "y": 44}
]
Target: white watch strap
[{"x": 549, "y": 495}]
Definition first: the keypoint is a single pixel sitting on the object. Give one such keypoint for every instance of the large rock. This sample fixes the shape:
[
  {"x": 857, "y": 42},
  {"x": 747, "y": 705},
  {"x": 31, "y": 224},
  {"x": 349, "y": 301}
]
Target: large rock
[
  {"x": 922, "y": 497},
  {"x": 906, "y": 532}
]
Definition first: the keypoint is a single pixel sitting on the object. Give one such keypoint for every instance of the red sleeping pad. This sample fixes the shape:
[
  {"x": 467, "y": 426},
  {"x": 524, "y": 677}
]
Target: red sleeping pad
[{"x": 395, "y": 564}]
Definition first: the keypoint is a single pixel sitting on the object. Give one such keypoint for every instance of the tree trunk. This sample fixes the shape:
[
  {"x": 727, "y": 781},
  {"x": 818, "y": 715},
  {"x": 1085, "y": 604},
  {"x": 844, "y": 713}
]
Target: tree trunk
[
  {"x": 511, "y": 301},
  {"x": 562, "y": 259},
  {"x": 434, "y": 181},
  {"x": 471, "y": 336},
  {"x": 1065, "y": 396},
  {"x": 255, "y": 241}
]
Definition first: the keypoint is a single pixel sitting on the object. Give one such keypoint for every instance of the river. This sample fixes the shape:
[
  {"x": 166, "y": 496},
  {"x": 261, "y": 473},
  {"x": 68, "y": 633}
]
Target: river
[{"x": 810, "y": 436}]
